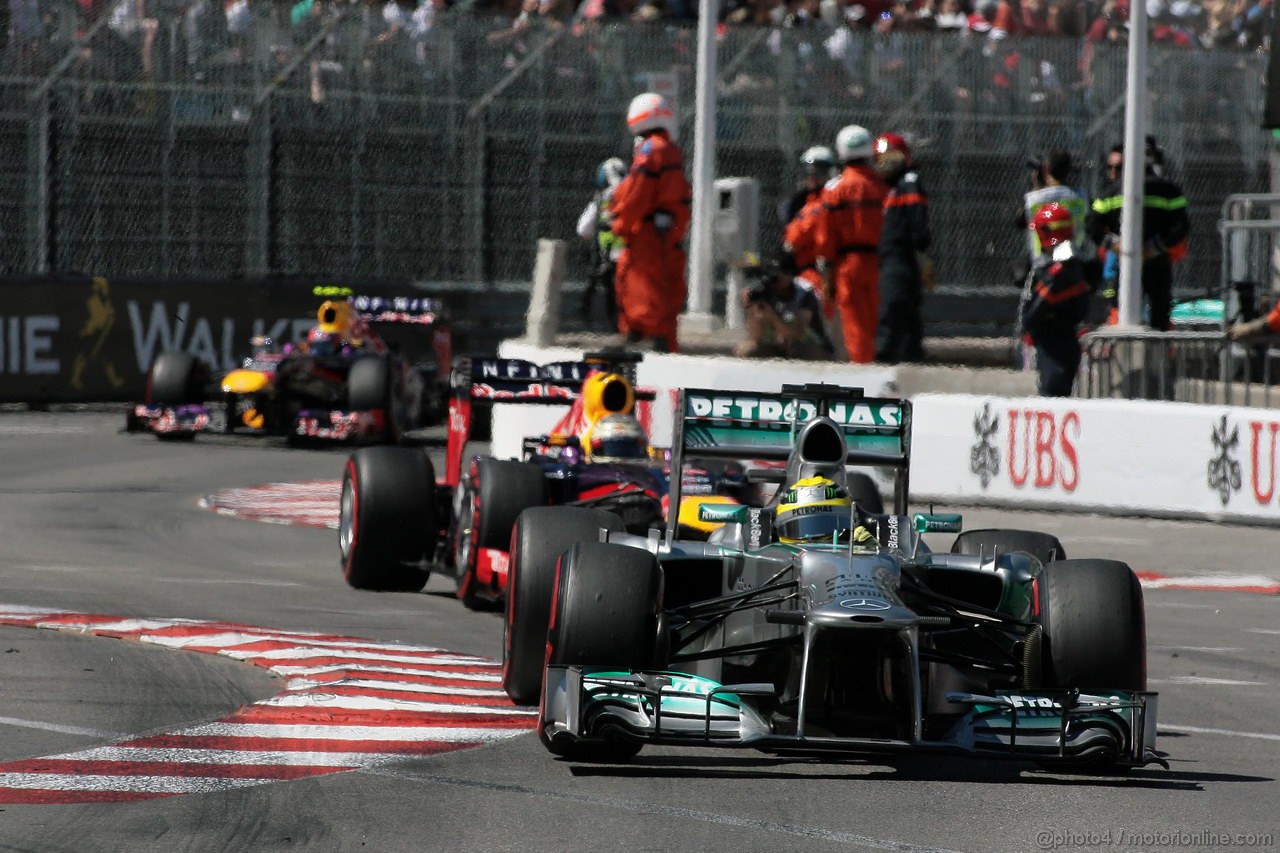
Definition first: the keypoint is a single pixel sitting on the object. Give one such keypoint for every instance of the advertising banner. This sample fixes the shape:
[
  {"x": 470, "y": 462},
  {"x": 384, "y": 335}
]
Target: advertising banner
[
  {"x": 92, "y": 339},
  {"x": 1156, "y": 458}
]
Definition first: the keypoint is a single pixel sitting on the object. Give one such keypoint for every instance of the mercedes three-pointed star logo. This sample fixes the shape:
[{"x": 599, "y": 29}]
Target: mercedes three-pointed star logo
[{"x": 864, "y": 604}]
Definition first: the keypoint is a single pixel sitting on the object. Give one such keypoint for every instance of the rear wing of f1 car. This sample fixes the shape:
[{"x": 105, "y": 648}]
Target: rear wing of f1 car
[
  {"x": 399, "y": 310},
  {"x": 485, "y": 381},
  {"x": 752, "y": 425}
]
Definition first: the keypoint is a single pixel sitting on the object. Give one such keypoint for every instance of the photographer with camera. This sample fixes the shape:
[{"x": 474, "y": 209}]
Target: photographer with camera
[{"x": 784, "y": 314}]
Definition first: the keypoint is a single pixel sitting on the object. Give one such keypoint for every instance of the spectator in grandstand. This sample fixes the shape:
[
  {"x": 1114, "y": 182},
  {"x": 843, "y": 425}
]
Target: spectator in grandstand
[
  {"x": 239, "y": 32},
  {"x": 950, "y": 17},
  {"x": 847, "y": 47},
  {"x": 1165, "y": 226},
  {"x": 129, "y": 20},
  {"x": 534, "y": 14},
  {"x": 195, "y": 21},
  {"x": 26, "y": 31},
  {"x": 784, "y": 316},
  {"x": 422, "y": 31},
  {"x": 388, "y": 52},
  {"x": 906, "y": 272},
  {"x": 1034, "y": 18}
]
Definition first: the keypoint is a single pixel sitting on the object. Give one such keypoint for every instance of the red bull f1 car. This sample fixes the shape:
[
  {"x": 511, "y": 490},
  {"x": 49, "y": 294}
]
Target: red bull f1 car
[
  {"x": 814, "y": 626},
  {"x": 372, "y": 369},
  {"x": 396, "y": 520}
]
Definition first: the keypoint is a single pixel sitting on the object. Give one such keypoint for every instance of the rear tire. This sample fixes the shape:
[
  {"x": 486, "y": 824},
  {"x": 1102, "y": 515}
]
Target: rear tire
[
  {"x": 866, "y": 494},
  {"x": 541, "y": 535},
  {"x": 175, "y": 379},
  {"x": 499, "y": 490},
  {"x": 369, "y": 384},
  {"x": 370, "y": 388},
  {"x": 1094, "y": 625},
  {"x": 605, "y": 614},
  {"x": 1043, "y": 546},
  {"x": 387, "y": 526}
]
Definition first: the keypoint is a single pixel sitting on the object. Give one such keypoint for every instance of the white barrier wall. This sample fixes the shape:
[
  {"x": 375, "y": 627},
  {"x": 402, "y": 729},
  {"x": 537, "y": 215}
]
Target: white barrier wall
[{"x": 1176, "y": 459}]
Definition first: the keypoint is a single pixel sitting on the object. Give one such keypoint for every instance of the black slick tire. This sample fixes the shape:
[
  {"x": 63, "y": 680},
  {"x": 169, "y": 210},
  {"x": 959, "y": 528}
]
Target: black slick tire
[
  {"x": 865, "y": 493},
  {"x": 605, "y": 614},
  {"x": 370, "y": 389},
  {"x": 175, "y": 379},
  {"x": 387, "y": 525},
  {"x": 498, "y": 491},
  {"x": 1094, "y": 624},
  {"x": 540, "y": 536}
]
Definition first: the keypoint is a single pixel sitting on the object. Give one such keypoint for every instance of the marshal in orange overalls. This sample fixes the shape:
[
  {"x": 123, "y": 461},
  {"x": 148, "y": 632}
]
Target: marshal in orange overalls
[
  {"x": 651, "y": 213},
  {"x": 848, "y": 247}
]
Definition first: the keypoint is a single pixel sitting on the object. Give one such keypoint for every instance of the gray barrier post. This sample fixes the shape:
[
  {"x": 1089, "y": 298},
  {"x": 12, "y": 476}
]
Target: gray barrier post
[{"x": 543, "y": 320}]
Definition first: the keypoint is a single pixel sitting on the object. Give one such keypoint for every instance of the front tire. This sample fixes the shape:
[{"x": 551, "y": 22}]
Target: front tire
[
  {"x": 606, "y": 613},
  {"x": 387, "y": 526},
  {"x": 1094, "y": 625},
  {"x": 498, "y": 491},
  {"x": 370, "y": 389},
  {"x": 175, "y": 379},
  {"x": 540, "y": 537}
]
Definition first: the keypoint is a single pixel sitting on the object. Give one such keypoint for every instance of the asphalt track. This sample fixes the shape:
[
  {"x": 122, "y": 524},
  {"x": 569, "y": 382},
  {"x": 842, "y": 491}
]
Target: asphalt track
[{"x": 97, "y": 523}]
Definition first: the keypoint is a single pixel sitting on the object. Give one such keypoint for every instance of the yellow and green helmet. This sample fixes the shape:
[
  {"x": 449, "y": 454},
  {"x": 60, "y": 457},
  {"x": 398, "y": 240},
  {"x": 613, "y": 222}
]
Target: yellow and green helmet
[{"x": 813, "y": 510}]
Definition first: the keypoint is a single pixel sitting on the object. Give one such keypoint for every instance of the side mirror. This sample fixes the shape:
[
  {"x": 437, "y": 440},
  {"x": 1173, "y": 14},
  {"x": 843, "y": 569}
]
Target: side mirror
[
  {"x": 718, "y": 513},
  {"x": 951, "y": 522}
]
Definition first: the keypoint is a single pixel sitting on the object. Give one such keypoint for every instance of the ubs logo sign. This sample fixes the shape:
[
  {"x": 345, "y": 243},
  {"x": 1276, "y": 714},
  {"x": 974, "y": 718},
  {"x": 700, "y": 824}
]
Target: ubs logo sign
[
  {"x": 984, "y": 456},
  {"x": 1226, "y": 472},
  {"x": 1040, "y": 449}
]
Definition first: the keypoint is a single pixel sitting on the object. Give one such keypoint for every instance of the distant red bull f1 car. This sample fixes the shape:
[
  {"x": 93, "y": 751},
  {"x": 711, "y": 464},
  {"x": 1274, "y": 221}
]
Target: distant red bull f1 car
[
  {"x": 371, "y": 369},
  {"x": 398, "y": 523}
]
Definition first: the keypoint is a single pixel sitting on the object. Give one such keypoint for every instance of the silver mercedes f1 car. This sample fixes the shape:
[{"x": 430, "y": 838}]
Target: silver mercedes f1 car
[{"x": 850, "y": 634}]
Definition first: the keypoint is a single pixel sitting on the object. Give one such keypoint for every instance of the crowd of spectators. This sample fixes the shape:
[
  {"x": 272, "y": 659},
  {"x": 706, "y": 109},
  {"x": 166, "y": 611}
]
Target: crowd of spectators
[{"x": 201, "y": 34}]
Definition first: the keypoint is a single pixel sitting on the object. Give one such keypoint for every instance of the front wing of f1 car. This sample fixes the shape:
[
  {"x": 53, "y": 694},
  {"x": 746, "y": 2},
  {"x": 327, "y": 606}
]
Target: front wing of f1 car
[{"x": 592, "y": 705}]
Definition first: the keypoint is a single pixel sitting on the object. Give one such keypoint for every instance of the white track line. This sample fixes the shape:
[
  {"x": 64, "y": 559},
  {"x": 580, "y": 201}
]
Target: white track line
[{"x": 1201, "y": 730}]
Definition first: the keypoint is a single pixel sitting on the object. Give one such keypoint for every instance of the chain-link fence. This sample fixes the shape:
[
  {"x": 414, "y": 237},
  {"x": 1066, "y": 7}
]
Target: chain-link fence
[{"x": 319, "y": 141}]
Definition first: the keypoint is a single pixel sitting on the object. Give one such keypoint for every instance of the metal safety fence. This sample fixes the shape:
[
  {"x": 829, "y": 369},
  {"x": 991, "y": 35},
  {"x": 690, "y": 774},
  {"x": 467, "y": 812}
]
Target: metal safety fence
[
  {"x": 315, "y": 140},
  {"x": 1187, "y": 367}
]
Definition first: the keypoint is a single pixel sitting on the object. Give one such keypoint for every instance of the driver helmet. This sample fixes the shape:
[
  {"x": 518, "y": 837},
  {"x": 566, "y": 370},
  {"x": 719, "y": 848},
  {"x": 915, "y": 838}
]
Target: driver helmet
[
  {"x": 814, "y": 509},
  {"x": 618, "y": 438},
  {"x": 322, "y": 341}
]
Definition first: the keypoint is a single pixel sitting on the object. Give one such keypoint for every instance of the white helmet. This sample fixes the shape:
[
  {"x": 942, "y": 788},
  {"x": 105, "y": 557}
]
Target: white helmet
[
  {"x": 819, "y": 156},
  {"x": 854, "y": 142},
  {"x": 610, "y": 173},
  {"x": 617, "y": 438},
  {"x": 650, "y": 111}
]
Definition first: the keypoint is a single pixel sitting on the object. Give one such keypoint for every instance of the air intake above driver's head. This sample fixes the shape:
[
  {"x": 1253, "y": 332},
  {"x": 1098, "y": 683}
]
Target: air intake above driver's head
[{"x": 819, "y": 450}]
